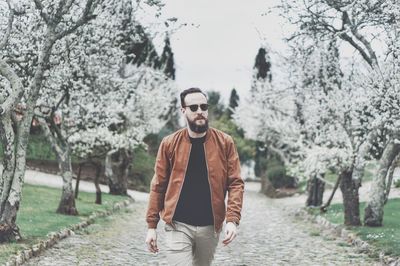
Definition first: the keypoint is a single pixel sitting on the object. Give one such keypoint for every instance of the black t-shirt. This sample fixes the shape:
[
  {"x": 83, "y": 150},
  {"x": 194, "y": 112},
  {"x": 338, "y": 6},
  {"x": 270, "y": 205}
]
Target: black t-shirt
[{"x": 194, "y": 204}]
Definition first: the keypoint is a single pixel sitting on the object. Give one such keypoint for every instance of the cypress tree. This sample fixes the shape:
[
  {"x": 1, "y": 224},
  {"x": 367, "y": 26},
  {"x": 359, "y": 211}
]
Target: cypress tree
[
  {"x": 262, "y": 73},
  {"x": 262, "y": 65},
  {"x": 233, "y": 102},
  {"x": 139, "y": 48},
  {"x": 167, "y": 64},
  {"x": 167, "y": 59}
]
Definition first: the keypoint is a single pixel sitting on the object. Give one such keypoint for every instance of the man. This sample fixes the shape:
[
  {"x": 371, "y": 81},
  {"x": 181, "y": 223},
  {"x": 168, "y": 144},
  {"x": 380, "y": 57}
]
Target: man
[{"x": 195, "y": 168}]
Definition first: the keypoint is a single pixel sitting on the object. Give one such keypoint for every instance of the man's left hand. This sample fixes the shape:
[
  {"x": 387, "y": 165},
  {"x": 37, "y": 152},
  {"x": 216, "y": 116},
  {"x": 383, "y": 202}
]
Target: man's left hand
[{"x": 230, "y": 233}]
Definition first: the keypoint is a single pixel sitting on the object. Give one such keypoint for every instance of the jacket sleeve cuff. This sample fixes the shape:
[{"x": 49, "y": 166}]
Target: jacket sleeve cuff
[
  {"x": 152, "y": 225},
  {"x": 233, "y": 220}
]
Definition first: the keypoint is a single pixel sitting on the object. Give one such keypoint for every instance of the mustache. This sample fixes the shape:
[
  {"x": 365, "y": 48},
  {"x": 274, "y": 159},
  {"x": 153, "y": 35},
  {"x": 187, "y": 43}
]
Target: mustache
[{"x": 200, "y": 117}]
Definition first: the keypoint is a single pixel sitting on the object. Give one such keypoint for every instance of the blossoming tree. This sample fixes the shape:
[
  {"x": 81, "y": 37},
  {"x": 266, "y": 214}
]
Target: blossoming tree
[{"x": 30, "y": 30}]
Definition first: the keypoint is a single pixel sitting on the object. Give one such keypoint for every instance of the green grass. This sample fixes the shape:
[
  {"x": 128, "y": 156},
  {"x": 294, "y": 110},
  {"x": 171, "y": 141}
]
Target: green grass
[
  {"x": 385, "y": 238},
  {"x": 37, "y": 216}
]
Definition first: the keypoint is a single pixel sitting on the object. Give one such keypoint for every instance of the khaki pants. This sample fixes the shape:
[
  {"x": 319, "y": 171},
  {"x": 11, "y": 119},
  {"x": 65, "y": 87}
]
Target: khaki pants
[{"x": 190, "y": 245}]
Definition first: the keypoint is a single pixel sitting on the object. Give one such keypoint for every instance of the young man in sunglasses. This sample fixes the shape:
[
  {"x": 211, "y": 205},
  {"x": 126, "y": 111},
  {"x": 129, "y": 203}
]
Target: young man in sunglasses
[{"x": 195, "y": 168}]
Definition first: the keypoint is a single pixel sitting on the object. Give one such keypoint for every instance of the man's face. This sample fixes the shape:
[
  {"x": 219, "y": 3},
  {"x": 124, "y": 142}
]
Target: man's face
[{"x": 198, "y": 119}]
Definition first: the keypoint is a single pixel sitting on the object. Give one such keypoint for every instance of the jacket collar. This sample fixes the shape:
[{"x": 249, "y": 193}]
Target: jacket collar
[{"x": 186, "y": 134}]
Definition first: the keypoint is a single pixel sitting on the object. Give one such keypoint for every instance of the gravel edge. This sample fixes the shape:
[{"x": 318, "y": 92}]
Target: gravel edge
[
  {"x": 54, "y": 237},
  {"x": 347, "y": 235}
]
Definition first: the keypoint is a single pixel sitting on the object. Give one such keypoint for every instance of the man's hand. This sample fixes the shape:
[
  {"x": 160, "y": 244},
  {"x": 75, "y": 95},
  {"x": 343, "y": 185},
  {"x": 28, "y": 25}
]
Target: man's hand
[
  {"x": 230, "y": 233},
  {"x": 151, "y": 240}
]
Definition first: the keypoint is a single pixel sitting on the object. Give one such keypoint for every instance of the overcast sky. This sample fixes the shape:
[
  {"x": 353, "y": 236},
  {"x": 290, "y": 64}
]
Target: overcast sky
[{"x": 218, "y": 52}]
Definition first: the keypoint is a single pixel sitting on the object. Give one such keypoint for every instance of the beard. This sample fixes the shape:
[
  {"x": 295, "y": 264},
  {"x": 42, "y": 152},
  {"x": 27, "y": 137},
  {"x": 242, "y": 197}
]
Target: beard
[{"x": 198, "y": 128}]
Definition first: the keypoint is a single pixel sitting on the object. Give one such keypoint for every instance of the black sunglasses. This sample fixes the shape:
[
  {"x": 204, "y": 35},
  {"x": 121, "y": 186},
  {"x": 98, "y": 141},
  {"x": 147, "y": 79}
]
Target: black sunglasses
[{"x": 194, "y": 107}]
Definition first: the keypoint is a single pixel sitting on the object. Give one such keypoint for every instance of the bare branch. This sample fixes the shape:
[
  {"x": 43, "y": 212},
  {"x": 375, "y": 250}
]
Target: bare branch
[
  {"x": 86, "y": 16},
  {"x": 53, "y": 127},
  {"x": 280, "y": 153},
  {"x": 59, "y": 103},
  {"x": 50, "y": 136},
  {"x": 40, "y": 7},
  {"x": 57, "y": 130},
  {"x": 367, "y": 44},
  {"x": 353, "y": 43},
  {"x": 60, "y": 11},
  {"x": 17, "y": 60},
  {"x": 16, "y": 85},
  {"x": 67, "y": 5},
  {"x": 63, "y": 8}
]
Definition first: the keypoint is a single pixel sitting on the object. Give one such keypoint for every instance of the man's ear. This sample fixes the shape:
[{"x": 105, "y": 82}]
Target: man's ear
[{"x": 183, "y": 110}]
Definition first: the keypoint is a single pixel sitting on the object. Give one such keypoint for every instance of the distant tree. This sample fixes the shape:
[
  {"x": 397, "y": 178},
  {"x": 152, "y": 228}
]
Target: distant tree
[
  {"x": 141, "y": 50},
  {"x": 216, "y": 108},
  {"x": 262, "y": 78},
  {"x": 220, "y": 119},
  {"x": 262, "y": 65},
  {"x": 167, "y": 63},
  {"x": 233, "y": 103}
]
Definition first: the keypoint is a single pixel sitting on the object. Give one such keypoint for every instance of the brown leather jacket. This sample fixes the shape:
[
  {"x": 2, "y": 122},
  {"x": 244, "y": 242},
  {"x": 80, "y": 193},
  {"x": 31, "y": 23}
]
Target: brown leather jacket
[{"x": 223, "y": 175}]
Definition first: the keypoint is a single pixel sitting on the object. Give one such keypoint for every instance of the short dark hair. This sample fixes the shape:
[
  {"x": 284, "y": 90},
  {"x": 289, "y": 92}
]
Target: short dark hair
[{"x": 189, "y": 91}]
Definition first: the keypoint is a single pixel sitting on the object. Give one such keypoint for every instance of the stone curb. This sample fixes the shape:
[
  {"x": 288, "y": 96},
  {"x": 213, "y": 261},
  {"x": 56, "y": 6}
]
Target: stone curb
[
  {"x": 347, "y": 235},
  {"x": 54, "y": 237}
]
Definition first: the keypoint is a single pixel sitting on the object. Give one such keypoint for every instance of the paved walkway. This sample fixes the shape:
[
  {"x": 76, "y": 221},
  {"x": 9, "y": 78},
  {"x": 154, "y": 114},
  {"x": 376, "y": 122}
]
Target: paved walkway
[
  {"x": 38, "y": 178},
  {"x": 267, "y": 236}
]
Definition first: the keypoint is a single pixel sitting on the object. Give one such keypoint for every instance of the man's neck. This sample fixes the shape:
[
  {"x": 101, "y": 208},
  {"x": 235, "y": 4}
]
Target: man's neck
[{"x": 193, "y": 134}]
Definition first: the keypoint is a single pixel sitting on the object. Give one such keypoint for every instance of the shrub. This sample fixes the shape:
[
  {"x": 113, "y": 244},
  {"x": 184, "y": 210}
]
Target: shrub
[
  {"x": 142, "y": 169},
  {"x": 397, "y": 183},
  {"x": 278, "y": 177},
  {"x": 38, "y": 149}
]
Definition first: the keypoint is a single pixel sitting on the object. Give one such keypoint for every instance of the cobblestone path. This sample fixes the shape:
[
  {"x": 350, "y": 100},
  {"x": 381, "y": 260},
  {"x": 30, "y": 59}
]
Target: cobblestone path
[{"x": 267, "y": 236}]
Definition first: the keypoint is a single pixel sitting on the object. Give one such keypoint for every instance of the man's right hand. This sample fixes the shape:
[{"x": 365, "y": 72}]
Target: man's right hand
[{"x": 151, "y": 240}]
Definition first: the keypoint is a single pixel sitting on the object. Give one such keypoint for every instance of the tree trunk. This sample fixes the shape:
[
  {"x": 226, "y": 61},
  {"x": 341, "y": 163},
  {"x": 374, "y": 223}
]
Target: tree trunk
[
  {"x": 12, "y": 177},
  {"x": 392, "y": 168},
  {"x": 266, "y": 187},
  {"x": 374, "y": 209},
  {"x": 8, "y": 141},
  {"x": 315, "y": 189},
  {"x": 67, "y": 202},
  {"x": 97, "y": 185},
  {"x": 61, "y": 148},
  {"x": 9, "y": 231},
  {"x": 117, "y": 169},
  {"x": 351, "y": 203},
  {"x": 324, "y": 207},
  {"x": 363, "y": 154},
  {"x": 78, "y": 179}
]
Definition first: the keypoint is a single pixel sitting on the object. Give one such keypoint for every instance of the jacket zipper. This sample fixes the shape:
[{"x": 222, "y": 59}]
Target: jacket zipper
[
  {"x": 209, "y": 184},
  {"x": 183, "y": 181}
]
